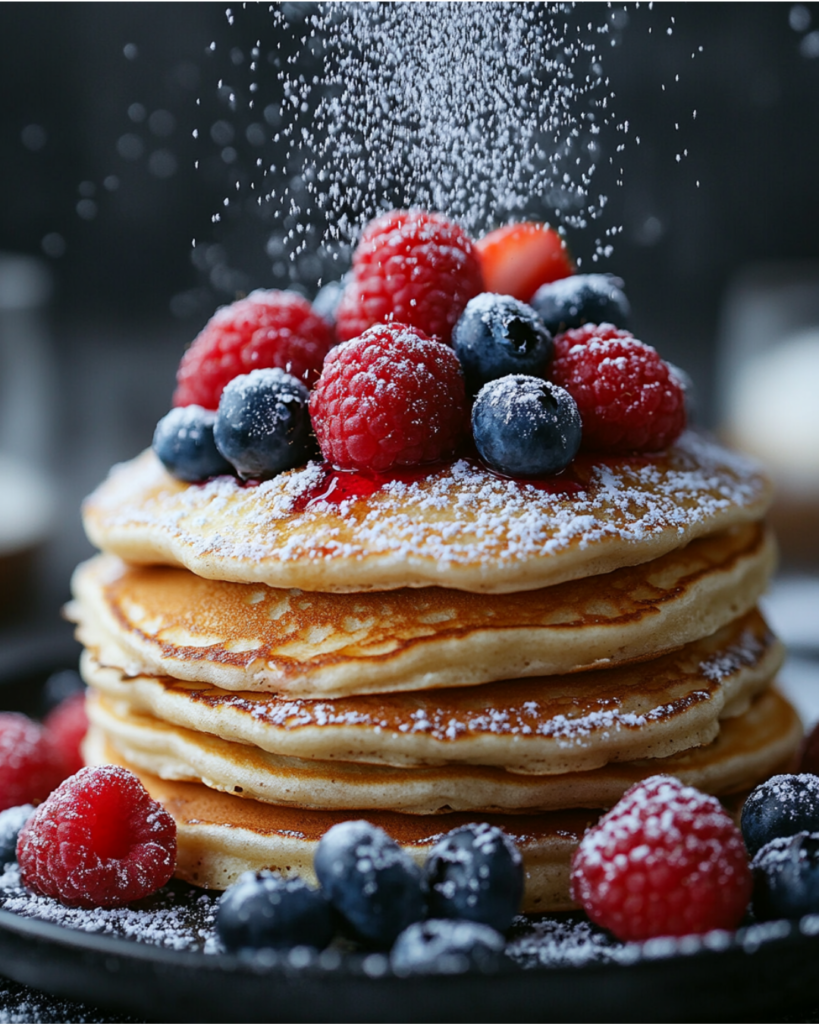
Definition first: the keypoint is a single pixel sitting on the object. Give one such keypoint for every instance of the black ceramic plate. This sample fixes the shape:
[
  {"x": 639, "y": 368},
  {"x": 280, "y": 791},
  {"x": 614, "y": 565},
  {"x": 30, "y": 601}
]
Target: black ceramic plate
[{"x": 762, "y": 972}]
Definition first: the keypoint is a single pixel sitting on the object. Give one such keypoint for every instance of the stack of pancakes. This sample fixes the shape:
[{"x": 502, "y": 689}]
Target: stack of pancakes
[{"x": 422, "y": 652}]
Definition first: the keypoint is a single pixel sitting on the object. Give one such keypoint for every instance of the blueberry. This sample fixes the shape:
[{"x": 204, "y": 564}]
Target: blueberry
[
  {"x": 524, "y": 426},
  {"x": 327, "y": 300},
  {"x": 183, "y": 442},
  {"x": 475, "y": 873},
  {"x": 374, "y": 884},
  {"x": 498, "y": 335},
  {"x": 782, "y": 806},
  {"x": 263, "y": 426},
  {"x": 11, "y": 821},
  {"x": 265, "y": 910},
  {"x": 447, "y": 947},
  {"x": 786, "y": 877},
  {"x": 582, "y": 299}
]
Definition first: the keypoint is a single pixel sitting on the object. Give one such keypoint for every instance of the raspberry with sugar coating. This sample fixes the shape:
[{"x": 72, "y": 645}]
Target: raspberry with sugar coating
[
  {"x": 390, "y": 398},
  {"x": 98, "y": 841},
  {"x": 30, "y": 767},
  {"x": 266, "y": 329},
  {"x": 411, "y": 267},
  {"x": 627, "y": 398},
  {"x": 665, "y": 861}
]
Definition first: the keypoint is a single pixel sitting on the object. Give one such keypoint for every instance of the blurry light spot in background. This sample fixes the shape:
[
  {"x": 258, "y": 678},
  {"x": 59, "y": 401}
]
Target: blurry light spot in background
[
  {"x": 799, "y": 17},
  {"x": 137, "y": 112},
  {"x": 650, "y": 231},
  {"x": 53, "y": 245},
  {"x": 111, "y": 183},
  {"x": 256, "y": 135},
  {"x": 130, "y": 146},
  {"x": 162, "y": 123},
  {"x": 236, "y": 56},
  {"x": 87, "y": 189},
  {"x": 187, "y": 75},
  {"x": 221, "y": 132},
  {"x": 809, "y": 47},
  {"x": 229, "y": 155},
  {"x": 87, "y": 209},
  {"x": 34, "y": 137},
  {"x": 273, "y": 115},
  {"x": 130, "y": 51},
  {"x": 162, "y": 164}
]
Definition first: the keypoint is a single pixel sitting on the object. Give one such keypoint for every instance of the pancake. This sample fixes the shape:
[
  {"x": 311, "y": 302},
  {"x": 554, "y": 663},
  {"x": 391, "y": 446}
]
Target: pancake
[
  {"x": 545, "y": 725},
  {"x": 161, "y": 620},
  {"x": 220, "y": 836},
  {"x": 458, "y": 525},
  {"x": 747, "y": 750}
]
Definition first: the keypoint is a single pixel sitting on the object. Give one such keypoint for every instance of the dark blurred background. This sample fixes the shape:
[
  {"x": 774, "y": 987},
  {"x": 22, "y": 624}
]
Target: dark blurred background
[{"x": 99, "y": 184}]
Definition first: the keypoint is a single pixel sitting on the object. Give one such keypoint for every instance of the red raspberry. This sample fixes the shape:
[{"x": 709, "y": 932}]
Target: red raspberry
[
  {"x": 29, "y": 766},
  {"x": 666, "y": 860},
  {"x": 390, "y": 398},
  {"x": 627, "y": 398},
  {"x": 65, "y": 729},
  {"x": 411, "y": 267},
  {"x": 264, "y": 330},
  {"x": 98, "y": 841}
]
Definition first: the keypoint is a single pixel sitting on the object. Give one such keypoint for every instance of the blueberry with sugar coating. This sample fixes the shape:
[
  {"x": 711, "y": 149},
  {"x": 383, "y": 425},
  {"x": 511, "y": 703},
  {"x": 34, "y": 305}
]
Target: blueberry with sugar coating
[
  {"x": 497, "y": 335},
  {"x": 524, "y": 426},
  {"x": 375, "y": 885},
  {"x": 183, "y": 443},
  {"x": 11, "y": 821},
  {"x": 782, "y": 806},
  {"x": 582, "y": 299},
  {"x": 447, "y": 947},
  {"x": 265, "y": 911},
  {"x": 475, "y": 873},
  {"x": 263, "y": 425},
  {"x": 786, "y": 877}
]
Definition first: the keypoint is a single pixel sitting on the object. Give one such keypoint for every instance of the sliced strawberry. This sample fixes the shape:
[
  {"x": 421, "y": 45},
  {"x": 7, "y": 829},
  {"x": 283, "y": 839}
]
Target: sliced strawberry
[{"x": 518, "y": 259}]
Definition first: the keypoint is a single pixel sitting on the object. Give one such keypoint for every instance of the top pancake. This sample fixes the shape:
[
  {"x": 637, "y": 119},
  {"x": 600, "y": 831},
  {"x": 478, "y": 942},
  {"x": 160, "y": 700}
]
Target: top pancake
[{"x": 460, "y": 527}]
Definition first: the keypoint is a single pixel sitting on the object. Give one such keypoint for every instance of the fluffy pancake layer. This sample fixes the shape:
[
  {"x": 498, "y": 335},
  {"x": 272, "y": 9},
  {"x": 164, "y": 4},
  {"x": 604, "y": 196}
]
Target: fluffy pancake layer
[
  {"x": 747, "y": 750},
  {"x": 162, "y": 620},
  {"x": 546, "y": 725},
  {"x": 461, "y": 526}
]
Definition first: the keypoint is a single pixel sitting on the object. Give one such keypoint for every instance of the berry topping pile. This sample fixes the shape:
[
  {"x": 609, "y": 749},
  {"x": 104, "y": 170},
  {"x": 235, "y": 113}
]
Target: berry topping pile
[
  {"x": 30, "y": 765},
  {"x": 99, "y": 840},
  {"x": 627, "y": 398},
  {"x": 666, "y": 860},
  {"x": 413, "y": 267},
  {"x": 516, "y": 260},
  {"x": 524, "y": 426},
  {"x": 262, "y": 388},
  {"x": 266, "y": 329},
  {"x": 498, "y": 335},
  {"x": 582, "y": 299},
  {"x": 389, "y": 398}
]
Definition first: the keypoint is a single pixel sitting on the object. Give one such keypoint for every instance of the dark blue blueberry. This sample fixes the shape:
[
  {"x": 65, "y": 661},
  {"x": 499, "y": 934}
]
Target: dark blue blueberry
[
  {"x": 266, "y": 911},
  {"x": 498, "y": 335},
  {"x": 782, "y": 806},
  {"x": 475, "y": 873},
  {"x": 183, "y": 442},
  {"x": 263, "y": 425},
  {"x": 327, "y": 300},
  {"x": 524, "y": 426},
  {"x": 11, "y": 821},
  {"x": 447, "y": 947},
  {"x": 582, "y": 299},
  {"x": 786, "y": 877},
  {"x": 376, "y": 887}
]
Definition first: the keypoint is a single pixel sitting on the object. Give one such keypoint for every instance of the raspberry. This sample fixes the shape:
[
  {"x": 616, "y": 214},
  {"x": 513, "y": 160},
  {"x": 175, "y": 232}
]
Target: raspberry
[
  {"x": 98, "y": 841},
  {"x": 29, "y": 766},
  {"x": 666, "y": 860},
  {"x": 628, "y": 399},
  {"x": 412, "y": 267},
  {"x": 390, "y": 398},
  {"x": 267, "y": 329},
  {"x": 517, "y": 259},
  {"x": 65, "y": 729}
]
